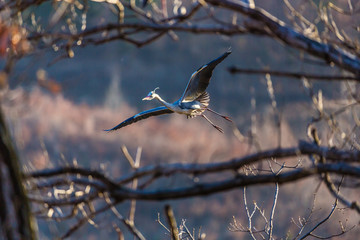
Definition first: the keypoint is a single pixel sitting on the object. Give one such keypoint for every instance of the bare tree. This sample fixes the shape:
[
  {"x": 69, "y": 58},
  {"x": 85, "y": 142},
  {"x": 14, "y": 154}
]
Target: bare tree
[{"x": 315, "y": 29}]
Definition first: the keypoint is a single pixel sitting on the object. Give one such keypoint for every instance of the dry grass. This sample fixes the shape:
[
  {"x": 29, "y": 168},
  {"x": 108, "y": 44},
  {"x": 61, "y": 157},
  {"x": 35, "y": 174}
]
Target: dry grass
[{"x": 38, "y": 117}]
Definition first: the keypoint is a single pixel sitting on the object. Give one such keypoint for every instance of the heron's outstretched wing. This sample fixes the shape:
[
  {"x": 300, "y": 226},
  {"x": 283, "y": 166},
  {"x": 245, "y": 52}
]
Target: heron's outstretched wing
[
  {"x": 140, "y": 116},
  {"x": 200, "y": 79}
]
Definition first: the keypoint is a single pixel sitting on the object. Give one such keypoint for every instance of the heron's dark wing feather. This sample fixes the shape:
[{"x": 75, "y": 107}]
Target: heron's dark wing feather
[
  {"x": 200, "y": 79},
  {"x": 140, "y": 116}
]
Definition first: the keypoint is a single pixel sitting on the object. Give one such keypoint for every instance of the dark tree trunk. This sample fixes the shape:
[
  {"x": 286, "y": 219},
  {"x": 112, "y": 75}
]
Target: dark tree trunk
[{"x": 15, "y": 216}]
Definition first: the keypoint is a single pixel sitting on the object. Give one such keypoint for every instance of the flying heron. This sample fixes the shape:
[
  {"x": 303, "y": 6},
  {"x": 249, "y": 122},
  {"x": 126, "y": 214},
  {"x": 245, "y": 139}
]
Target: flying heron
[{"x": 194, "y": 101}]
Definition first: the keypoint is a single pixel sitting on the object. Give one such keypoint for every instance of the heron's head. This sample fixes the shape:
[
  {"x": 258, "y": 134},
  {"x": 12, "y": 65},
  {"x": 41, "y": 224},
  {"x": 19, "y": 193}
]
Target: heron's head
[{"x": 151, "y": 95}]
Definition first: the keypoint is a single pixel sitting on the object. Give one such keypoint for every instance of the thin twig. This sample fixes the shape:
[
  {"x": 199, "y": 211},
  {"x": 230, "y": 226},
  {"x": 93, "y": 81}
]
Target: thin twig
[
  {"x": 309, "y": 233},
  {"x": 134, "y": 185},
  {"x": 129, "y": 224},
  {"x": 271, "y": 226},
  {"x": 249, "y": 216}
]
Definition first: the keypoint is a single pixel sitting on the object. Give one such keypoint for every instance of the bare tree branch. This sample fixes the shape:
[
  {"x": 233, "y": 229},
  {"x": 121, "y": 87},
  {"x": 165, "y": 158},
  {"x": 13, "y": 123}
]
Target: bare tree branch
[
  {"x": 271, "y": 221},
  {"x": 240, "y": 180},
  {"x": 322, "y": 77},
  {"x": 304, "y": 148},
  {"x": 292, "y": 38},
  {"x": 325, "y": 219}
]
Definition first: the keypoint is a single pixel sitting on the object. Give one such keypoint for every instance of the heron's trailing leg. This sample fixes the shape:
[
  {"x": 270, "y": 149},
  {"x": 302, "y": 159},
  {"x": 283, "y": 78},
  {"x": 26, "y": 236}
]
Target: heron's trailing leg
[
  {"x": 217, "y": 127},
  {"x": 225, "y": 117}
]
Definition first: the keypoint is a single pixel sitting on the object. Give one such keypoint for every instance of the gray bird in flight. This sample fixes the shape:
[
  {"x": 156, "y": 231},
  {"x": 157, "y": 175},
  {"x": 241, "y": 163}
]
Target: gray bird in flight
[{"x": 194, "y": 101}]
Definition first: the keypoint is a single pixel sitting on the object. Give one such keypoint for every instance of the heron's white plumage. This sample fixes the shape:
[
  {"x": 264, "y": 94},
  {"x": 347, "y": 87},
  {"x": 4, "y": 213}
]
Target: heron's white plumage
[{"x": 193, "y": 102}]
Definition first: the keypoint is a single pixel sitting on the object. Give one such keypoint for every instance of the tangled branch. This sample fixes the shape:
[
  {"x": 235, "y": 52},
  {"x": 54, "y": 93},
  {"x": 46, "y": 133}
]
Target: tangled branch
[
  {"x": 343, "y": 164},
  {"x": 197, "y": 18}
]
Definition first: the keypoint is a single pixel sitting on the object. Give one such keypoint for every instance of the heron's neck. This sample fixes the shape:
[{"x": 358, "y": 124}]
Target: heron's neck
[{"x": 163, "y": 102}]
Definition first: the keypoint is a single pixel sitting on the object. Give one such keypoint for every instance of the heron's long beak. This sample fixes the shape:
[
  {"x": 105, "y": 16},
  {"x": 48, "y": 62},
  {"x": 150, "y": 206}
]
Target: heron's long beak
[{"x": 146, "y": 98}]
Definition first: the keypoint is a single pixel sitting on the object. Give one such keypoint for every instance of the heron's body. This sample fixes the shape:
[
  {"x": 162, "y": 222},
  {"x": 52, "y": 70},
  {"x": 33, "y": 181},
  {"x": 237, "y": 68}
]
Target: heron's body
[
  {"x": 191, "y": 109},
  {"x": 194, "y": 101}
]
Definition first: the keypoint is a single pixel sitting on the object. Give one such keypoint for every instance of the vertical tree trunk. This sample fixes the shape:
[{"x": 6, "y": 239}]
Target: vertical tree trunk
[{"x": 15, "y": 216}]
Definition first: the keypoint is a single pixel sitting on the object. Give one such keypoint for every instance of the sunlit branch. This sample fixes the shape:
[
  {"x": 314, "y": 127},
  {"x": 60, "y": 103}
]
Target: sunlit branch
[
  {"x": 174, "y": 231},
  {"x": 249, "y": 215},
  {"x": 271, "y": 221}
]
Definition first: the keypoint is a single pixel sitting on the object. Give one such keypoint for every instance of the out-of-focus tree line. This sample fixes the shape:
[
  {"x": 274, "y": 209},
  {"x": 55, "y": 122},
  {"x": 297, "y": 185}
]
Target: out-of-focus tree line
[{"x": 304, "y": 143}]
